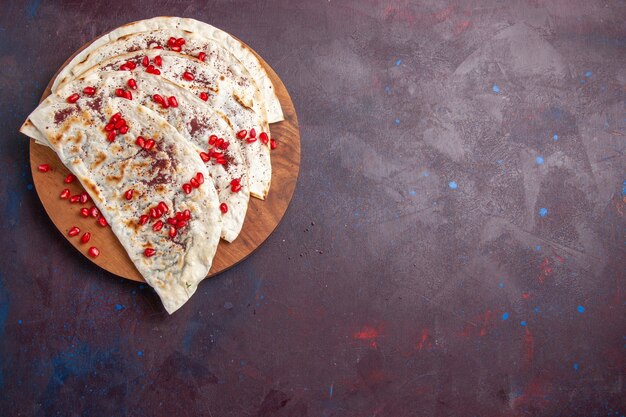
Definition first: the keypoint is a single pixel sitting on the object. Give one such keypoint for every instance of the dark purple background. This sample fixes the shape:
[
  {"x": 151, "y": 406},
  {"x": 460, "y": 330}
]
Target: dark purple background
[{"x": 415, "y": 272}]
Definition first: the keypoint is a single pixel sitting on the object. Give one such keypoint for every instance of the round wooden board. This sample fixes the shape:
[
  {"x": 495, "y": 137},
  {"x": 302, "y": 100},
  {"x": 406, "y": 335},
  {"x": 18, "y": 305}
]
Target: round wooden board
[{"x": 261, "y": 219}]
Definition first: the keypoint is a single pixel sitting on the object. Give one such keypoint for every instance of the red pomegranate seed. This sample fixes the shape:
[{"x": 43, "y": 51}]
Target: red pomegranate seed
[
  {"x": 224, "y": 208},
  {"x": 119, "y": 123},
  {"x": 117, "y": 116},
  {"x": 188, "y": 76},
  {"x": 131, "y": 65},
  {"x": 202, "y": 56},
  {"x": 84, "y": 198},
  {"x": 156, "y": 72},
  {"x": 212, "y": 140},
  {"x": 186, "y": 214},
  {"x": 172, "y": 101},
  {"x": 109, "y": 127},
  {"x": 69, "y": 179},
  {"x": 149, "y": 252},
  {"x": 143, "y": 219},
  {"x": 111, "y": 136},
  {"x": 90, "y": 91},
  {"x": 74, "y": 199},
  {"x": 73, "y": 231},
  {"x": 273, "y": 144},
  {"x": 65, "y": 194},
  {"x": 180, "y": 215},
  {"x": 242, "y": 134},
  {"x": 264, "y": 138},
  {"x": 159, "y": 212},
  {"x": 235, "y": 181},
  {"x": 204, "y": 96},
  {"x": 154, "y": 213},
  {"x": 200, "y": 178},
  {"x": 235, "y": 188},
  {"x": 157, "y": 226},
  {"x": 225, "y": 145},
  {"x": 128, "y": 95},
  {"x": 102, "y": 221},
  {"x": 158, "y": 99},
  {"x": 158, "y": 60},
  {"x": 85, "y": 237},
  {"x": 84, "y": 212},
  {"x": 124, "y": 67},
  {"x": 180, "y": 42},
  {"x": 128, "y": 194},
  {"x": 44, "y": 167},
  {"x": 149, "y": 144},
  {"x": 220, "y": 161},
  {"x": 172, "y": 232},
  {"x": 252, "y": 133},
  {"x": 251, "y": 139},
  {"x": 119, "y": 92},
  {"x": 205, "y": 157},
  {"x": 172, "y": 221},
  {"x": 93, "y": 252},
  {"x": 163, "y": 207},
  {"x": 124, "y": 129},
  {"x": 146, "y": 61},
  {"x": 187, "y": 188},
  {"x": 73, "y": 98},
  {"x": 141, "y": 142},
  {"x": 132, "y": 84},
  {"x": 158, "y": 47},
  {"x": 219, "y": 142},
  {"x": 94, "y": 212},
  {"x": 171, "y": 41},
  {"x": 150, "y": 69},
  {"x": 176, "y": 48},
  {"x": 194, "y": 183},
  {"x": 181, "y": 223}
]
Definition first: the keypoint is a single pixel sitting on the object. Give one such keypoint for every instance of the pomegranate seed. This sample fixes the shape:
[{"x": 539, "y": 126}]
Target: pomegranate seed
[
  {"x": 235, "y": 181},
  {"x": 69, "y": 179},
  {"x": 117, "y": 116},
  {"x": 156, "y": 72},
  {"x": 131, "y": 65},
  {"x": 181, "y": 223},
  {"x": 149, "y": 144},
  {"x": 157, "y": 226},
  {"x": 252, "y": 133},
  {"x": 273, "y": 144},
  {"x": 180, "y": 42},
  {"x": 220, "y": 161},
  {"x": 219, "y": 142},
  {"x": 202, "y": 56},
  {"x": 225, "y": 145},
  {"x": 111, "y": 136},
  {"x": 143, "y": 219},
  {"x": 119, "y": 123},
  {"x": 188, "y": 76},
  {"x": 194, "y": 183},
  {"x": 74, "y": 199},
  {"x": 224, "y": 208},
  {"x": 109, "y": 127},
  {"x": 85, "y": 237},
  {"x": 165, "y": 105},
  {"x": 141, "y": 142},
  {"x": 93, "y": 252},
  {"x": 186, "y": 214},
  {"x": 180, "y": 216},
  {"x": 172, "y": 221},
  {"x": 204, "y": 96},
  {"x": 187, "y": 188},
  {"x": 158, "y": 47},
  {"x": 205, "y": 157},
  {"x": 173, "y": 102},
  {"x": 73, "y": 98},
  {"x": 159, "y": 212},
  {"x": 154, "y": 213},
  {"x": 128, "y": 95},
  {"x": 132, "y": 84},
  {"x": 124, "y": 129},
  {"x": 94, "y": 212},
  {"x": 149, "y": 252},
  {"x": 84, "y": 212},
  {"x": 176, "y": 48},
  {"x": 251, "y": 139},
  {"x": 73, "y": 231},
  {"x": 212, "y": 140},
  {"x": 163, "y": 207},
  {"x": 124, "y": 67},
  {"x": 158, "y": 99},
  {"x": 172, "y": 232},
  {"x": 44, "y": 167},
  {"x": 150, "y": 69},
  {"x": 264, "y": 138},
  {"x": 171, "y": 41},
  {"x": 200, "y": 178},
  {"x": 84, "y": 198},
  {"x": 235, "y": 188},
  {"x": 128, "y": 194},
  {"x": 146, "y": 61},
  {"x": 158, "y": 60},
  {"x": 65, "y": 194},
  {"x": 102, "y": 221},
  {"x": 90, "y": 91},
  {"x": 119, "y": 92},
  {"x": 242, "y": 134}
]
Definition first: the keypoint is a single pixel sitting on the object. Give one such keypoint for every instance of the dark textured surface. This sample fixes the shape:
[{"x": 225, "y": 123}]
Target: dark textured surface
[{"x": 455, "y": 246}]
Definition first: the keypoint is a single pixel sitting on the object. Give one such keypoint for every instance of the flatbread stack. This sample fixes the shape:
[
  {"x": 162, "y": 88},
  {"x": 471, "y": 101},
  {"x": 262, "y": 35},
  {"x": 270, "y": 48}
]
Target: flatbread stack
[{"x": 165, "y": 122}]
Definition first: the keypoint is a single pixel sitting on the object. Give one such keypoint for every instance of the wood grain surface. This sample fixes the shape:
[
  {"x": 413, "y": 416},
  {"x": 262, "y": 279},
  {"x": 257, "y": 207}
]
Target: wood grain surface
[{"x": 261, "y": 219}]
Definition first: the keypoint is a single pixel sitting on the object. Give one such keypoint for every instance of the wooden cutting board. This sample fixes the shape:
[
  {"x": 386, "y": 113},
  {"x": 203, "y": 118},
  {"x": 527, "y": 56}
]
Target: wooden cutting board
[{"x": 261, "y": 219}]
